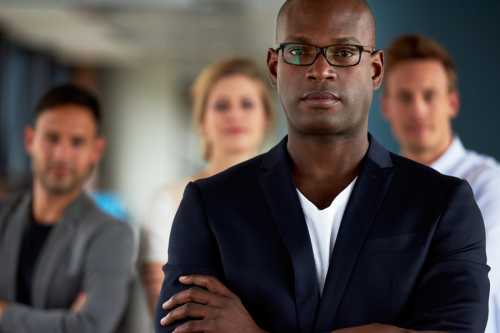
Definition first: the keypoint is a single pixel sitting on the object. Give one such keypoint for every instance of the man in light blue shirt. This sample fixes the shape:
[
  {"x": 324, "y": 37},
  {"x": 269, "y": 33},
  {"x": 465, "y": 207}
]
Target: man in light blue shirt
[{"x": 420, "y": 99}]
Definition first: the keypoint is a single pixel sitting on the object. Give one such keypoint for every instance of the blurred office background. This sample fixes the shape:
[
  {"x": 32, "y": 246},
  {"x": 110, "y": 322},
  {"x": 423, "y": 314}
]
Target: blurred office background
[{"x": 141, "y": 56}]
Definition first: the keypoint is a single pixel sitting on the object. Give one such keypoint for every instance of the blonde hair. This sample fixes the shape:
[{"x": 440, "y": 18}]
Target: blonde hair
[
  {"x": 210, "y": 76},
  {"x": 416, "y": 47}
]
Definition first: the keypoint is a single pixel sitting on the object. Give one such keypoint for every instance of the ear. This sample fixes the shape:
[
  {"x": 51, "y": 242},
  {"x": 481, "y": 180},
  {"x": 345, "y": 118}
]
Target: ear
[
  {"x": 29, "y": 136},
  {"x": 454, "y": 97},
  {"x": 377, "y": 64},
  {"x": 100, "y": 146},
  {"x": 272, "y": 66},
  {"x": 384, "y": 106}
]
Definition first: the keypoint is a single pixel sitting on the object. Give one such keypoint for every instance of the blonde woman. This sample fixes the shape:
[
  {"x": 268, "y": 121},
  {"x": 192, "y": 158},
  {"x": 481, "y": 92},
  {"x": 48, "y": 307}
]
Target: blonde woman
[{"x": 232, "y": 111}]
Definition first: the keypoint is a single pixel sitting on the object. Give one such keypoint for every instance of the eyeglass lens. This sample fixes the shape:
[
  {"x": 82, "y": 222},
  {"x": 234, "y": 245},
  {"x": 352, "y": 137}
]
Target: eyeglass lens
[{"x": 339, "y": 55}]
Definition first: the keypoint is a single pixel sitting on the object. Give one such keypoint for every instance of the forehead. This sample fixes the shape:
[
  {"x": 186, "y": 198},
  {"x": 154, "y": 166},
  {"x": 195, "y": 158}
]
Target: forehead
[
  {"x": 67, "y": 120},
  {"x": 326, "y": 23},
  {"x": 418, "y": 74},
  {"x": 235, "y": 85}
]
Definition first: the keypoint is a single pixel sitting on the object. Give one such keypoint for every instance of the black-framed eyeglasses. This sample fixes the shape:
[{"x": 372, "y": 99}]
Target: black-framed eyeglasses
[{"x": 342, "y": 55}]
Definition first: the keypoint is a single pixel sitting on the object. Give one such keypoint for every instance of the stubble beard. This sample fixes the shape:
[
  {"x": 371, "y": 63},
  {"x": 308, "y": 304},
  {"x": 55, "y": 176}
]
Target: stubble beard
[{"x": 66, "y": 186}]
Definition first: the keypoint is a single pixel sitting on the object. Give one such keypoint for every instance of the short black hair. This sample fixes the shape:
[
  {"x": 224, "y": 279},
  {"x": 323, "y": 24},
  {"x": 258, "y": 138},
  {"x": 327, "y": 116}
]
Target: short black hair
[{"x": 69, "y": 94}]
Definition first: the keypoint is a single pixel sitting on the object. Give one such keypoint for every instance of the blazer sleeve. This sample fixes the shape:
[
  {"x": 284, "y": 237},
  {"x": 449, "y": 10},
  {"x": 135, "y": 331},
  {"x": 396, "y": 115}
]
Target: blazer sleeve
[
  {"x": 453, "y": 288},
  {"x": 488, "y": 199},
  {"x": 107, "y": 277},
  {"x": 192, "y": 250}
]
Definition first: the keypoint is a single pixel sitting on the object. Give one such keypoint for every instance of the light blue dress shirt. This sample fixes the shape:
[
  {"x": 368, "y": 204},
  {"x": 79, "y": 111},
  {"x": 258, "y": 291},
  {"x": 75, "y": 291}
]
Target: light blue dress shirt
[{"x": 483, "y": 174}]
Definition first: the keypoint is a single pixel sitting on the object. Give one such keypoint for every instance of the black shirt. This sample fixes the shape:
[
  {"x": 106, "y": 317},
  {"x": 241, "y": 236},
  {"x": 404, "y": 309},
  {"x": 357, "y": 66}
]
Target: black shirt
[{"x": 33, "y": 239}]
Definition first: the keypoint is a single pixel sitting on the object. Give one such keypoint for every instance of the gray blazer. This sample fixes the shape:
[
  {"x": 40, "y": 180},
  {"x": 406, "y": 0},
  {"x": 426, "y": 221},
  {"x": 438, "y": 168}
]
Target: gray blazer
[{"x": 87, "y": 250}]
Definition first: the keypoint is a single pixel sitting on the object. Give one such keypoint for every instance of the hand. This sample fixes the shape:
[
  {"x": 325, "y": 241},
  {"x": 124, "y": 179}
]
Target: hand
[
  {"x": 220, "y": 309},
  {"x": 378, "y": 328},
  {"x": 79, "y": 302},
  {"x": 3, "y": 306}
]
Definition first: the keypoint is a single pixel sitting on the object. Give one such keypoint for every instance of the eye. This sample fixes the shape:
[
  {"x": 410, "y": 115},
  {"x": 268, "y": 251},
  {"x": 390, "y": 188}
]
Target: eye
[
  {"x": 52, "y": 138},
  {"x": 77, "y": 142},
  {"x": 344, "y": 53},
  {"x": 429, "y": 96},
  {"x": 222, "y": 106},
  {"x": 297, "y": 50},
  {"x": 404, "y": 98},
  {"x": 245, "y": 104}
]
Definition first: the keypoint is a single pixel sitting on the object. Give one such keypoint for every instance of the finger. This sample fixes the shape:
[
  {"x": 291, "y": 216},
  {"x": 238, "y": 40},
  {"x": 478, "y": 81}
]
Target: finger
[
  {"x": 188, "y": 310},
  {"x": 195, "y": 326},
  {"x": 208, "y": 281},
  {"x": 79, "y": 303},
  {"x": 193, "y": 294}
]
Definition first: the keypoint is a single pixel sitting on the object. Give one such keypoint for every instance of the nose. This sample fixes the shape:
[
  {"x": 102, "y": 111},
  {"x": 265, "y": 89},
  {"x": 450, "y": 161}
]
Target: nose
[
  {"x": 419, "y": 108},
  {"x": 62, "y": 151},
  {"x": 234, "y": 113},
  {"x": 321, "y": 70}
]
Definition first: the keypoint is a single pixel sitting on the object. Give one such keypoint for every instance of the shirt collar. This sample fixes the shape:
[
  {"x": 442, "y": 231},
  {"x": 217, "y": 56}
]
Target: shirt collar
[{"x": 451, "y": 156}]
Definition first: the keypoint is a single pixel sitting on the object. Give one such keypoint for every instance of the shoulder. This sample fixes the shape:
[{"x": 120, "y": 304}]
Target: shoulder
[
  {"x": 165, "y": 202},
  {"x": 235, "y": 175},
  {"x": 236, "y": 181},
  {"x": 8, "y": 204},
  {"x": 419, "y": 175},
  {"x": 480, "y": 168},
  {"x": 99, "y": 223},
  {"x": 235, "y": 185},
  {"x": 482, "y": 172},
  {"x": 481, "y": 160},
  {"x": 173, "y": 192},
  {"x": 415, "y": 184},
  {"x": 9, "y": 201}
]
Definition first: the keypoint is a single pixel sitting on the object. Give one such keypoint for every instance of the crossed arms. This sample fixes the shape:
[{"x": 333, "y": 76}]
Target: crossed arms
[
  {"x": 443, "y": 301},
  {"x": 106, "y": 280},
  {"x": 222, "y": 311}
]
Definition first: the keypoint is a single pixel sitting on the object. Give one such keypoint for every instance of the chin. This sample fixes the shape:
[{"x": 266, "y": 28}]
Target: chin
[
  {"x": 325, "y": 126},
  {"x": 239, "y": 148},
  {"x": 418, "y": 145},
  {"x": 59, "y": 186}
]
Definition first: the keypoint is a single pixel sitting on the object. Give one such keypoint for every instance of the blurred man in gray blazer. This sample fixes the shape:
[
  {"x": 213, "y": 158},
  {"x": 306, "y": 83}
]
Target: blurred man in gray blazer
[{"x": 65, "y": 266}]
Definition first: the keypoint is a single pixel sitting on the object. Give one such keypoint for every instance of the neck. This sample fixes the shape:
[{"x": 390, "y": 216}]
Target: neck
[
  {"x": 221, "y": 161},
  {"x": 328, "y": 156},
  {"x": 324, "y": 167},
  {"x": 428, "y": 156},
  {"x": 48, "y": 207}
]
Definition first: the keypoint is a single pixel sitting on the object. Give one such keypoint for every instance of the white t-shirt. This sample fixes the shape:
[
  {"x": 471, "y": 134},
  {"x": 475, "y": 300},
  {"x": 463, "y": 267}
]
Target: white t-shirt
[
  {"x": 483, "y": 174},
  {"x": 323, "y": 226},
  {"x": 155, "y": 233}
]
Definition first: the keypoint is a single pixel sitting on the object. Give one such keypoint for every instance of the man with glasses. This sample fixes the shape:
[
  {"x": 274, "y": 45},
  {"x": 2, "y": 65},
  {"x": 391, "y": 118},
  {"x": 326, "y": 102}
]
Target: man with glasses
[
  {"x": 328, "y": 231},
  {"x": 420, "y": 99}
]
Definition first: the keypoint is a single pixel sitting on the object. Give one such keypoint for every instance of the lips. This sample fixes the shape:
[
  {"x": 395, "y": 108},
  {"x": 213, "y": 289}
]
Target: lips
[
  {"x": 236, "y": 130},
  {"x": 60, "y": 172},
  {"x": 320, "y": 99},
  {"x": 418, "y": 128}
]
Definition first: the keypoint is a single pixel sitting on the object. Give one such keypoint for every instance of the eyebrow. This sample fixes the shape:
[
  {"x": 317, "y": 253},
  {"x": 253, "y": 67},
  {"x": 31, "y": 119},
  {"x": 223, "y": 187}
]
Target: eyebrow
[
  {"x": 341, "y": 40},
  {"x": 300, "y": 39},
  {"x": 345, "y": 40}
]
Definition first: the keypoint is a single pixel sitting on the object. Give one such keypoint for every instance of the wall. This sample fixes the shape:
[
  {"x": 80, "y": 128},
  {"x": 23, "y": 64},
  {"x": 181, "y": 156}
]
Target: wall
[
  {"x": 146, "y": 123},
  {"x": 469, "y": 31}
]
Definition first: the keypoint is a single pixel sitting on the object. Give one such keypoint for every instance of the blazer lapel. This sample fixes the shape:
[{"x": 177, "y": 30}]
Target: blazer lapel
[
  {"x": 373, "y": 180},
  {"x": 282, "y": 198},
  {"x": 56, "y": 247},
  {"x": 11, "y": 246}
]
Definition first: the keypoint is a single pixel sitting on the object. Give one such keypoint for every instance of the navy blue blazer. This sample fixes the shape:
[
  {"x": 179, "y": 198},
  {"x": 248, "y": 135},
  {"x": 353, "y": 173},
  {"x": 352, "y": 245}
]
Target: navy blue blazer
[{"x": 410, "y": 250}]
